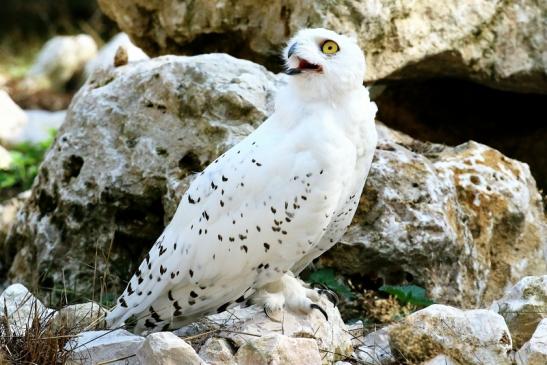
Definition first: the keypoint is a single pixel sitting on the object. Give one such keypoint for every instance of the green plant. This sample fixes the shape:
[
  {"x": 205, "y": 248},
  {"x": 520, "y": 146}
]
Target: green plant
[
  {"x": 26, "y": 157},
  {"x": 411, "y": 294},
  {"x": 327, "y": 277}
]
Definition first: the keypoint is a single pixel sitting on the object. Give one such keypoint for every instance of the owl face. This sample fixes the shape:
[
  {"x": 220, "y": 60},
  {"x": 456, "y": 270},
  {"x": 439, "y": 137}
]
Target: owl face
[{"x": 320, "y": 58}]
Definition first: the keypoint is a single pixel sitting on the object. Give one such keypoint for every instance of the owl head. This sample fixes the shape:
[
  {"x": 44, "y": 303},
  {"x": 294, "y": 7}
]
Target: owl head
[{"x": 322, "y": 62}]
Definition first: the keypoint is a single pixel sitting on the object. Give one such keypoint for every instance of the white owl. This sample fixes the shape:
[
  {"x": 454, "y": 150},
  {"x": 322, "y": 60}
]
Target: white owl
[{"x": 266, "y": 208}]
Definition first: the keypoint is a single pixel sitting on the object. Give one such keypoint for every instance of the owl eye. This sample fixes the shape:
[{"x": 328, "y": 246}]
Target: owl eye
[{"x": 329, "y": 47}]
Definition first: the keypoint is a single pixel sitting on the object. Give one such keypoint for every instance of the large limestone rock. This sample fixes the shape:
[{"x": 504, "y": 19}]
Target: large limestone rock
[
  {"x": 121, "y": 162},
  {"x": 523, "y": 307},
  {"x": 465, "y": 222},
  {"x": 61, "y": 59},
  {"x": 534, "y": 352},
  {"x": 498, "y": 43},
  {"x": 470, "y": 337}
]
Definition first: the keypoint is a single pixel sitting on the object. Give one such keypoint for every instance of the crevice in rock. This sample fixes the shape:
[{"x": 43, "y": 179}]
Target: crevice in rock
[
  {"x": 453, "y": 111},
  {"x": 72, "y": 167}
]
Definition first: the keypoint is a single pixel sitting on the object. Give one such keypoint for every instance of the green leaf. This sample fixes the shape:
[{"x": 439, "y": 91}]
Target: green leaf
[
  {"x": 411, "y": 294},
  {"x": 327, "y": 277}
]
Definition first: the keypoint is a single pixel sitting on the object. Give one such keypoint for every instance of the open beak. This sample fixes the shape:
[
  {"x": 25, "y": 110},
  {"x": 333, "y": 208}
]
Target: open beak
[{"x": 303, "y": 65}]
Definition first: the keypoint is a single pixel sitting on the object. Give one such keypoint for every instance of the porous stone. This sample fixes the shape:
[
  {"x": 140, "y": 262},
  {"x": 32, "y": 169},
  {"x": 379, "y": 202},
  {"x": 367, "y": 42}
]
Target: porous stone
[
  {"x": 534, "y": 352},
  {"x": 464, "y": 222},
  {"x": 217, "y": 351},
  {"x": 523, "y": 307},
  {"x": 277, "y": 349},
  {"x": 470, "y": 337},
  {"x": 167, "y": 349},
  {"x": 499, "y": 43}
]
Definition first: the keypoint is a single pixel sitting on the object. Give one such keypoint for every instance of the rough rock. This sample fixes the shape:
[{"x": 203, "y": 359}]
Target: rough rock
[
  {"x": 8, "y": 213},
  {"x": 94, "y": 347},
  {"x": 82, "y": 317},
  {"x": 61, "y": 59},
  {"x": 167, "y": 349},
  {"x": 22, "y": 308},
  {"x": 375, "y": 348},
  {"x": 105, "y": 56},
  {"x": 276, "y": 349},
  {"x": 523, "y": 307},
  {"x": 534, "y": 352},
  {"x": 123, "y": 158},
  {"x": 498, "y": 43},
  {"x": 464, "y": 222},
  {"x": 217, "y": 351},
  {"x": 469, "y": 337},
  {"x": 241, "y": 325},
  {"x": 12, "y": 119}
]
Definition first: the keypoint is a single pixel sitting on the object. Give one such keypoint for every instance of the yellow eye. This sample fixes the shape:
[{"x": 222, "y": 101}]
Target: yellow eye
[{"x": 329, "y": 47}]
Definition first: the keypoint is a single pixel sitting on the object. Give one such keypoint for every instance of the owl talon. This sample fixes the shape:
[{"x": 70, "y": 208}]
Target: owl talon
[
  {"x": 331, "y": 296},
  {"x": 274, "y": 315},
  {"x": 315, "y": 306}
]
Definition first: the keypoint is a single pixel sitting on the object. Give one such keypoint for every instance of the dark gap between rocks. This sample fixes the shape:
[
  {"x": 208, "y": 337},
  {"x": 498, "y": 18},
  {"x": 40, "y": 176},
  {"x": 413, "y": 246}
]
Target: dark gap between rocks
[{"x": 452, "y": 111}]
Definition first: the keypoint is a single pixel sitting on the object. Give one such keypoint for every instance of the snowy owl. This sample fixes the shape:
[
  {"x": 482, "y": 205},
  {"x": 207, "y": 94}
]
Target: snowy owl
[{"x": 263, "y": 210}]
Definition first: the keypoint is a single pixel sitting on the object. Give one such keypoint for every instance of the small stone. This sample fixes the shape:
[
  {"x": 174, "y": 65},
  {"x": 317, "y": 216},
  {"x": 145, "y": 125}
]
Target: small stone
[
  {"x": 375, "y": 348},
  {"x": 167, "y": 349},
  {"x": 534, "y": 352},
  {"x": 22, "y": 308},
  {"x": 121, "y": 58},
  {"x": 84, "y": 317},
  {"x": 523, "y": 307},
  {"x": 217, "y": 351},
  {"x": 104, "y": 346},
  {"x": 107, "y": 54},
  {"x": 276, "y": 349},
  {"x": 471, "y": 337}
]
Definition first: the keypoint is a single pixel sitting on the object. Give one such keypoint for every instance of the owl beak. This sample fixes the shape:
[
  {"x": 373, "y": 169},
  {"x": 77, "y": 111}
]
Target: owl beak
[
  {"x": 292, "y": 49},
  {"x": 292, "y": 71}
]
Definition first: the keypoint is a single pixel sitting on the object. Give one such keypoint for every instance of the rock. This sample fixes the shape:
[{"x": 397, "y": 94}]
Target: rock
[
  {"x": 523, "y": 307},
  {"x": 5, "y": 161},
  {"x": 534, "y": 352},
  {"x": 469, "y": 337},
  {"x": 8, "y": 213},
  {"x": 464, "y": 222},
  {"x": 375, "y": 349},
  {"x": 276, "y": 349},
  {"x": 217, "y": 351},
  {"x": 12, "y": 119},
  {"x": 30, "y": 126},
  {"x": 123, "y": 158},
  {"x": 167, "y": 349},
  {"x": 247, "y": 324},
  {"x": 61, "y": 59},
  {"x": 94, "y": 347},
  {"x": 105, "y": 56},
  {"x": 497, "y": 43},
  {"x": 22, "y": 308},
  {"x": 440, "y": 360},
  {"x": 83, "y": 317}
]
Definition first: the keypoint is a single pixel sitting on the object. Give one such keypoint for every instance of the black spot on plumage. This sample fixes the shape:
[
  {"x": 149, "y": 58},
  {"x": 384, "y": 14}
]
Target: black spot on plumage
[
  {"x": 266, "y": 246},
  {"x": 205, "y": 215},
  {"x": 223, "y": 307},
  {"x": 276, "y": 229},
  {"x": 273, "y": 210},
  {"x": 172, "y": 275},
  {"x": 258, "y": 164},
  {"x": 224, "y": 178},
  {"x": 213, "y": 186},
  {"x": 122, "y": 301},
  {"x": 221, "y": 203},
  {"x": 191, "y": 273},
  {"x": 139, "y": 293},
  {"x": 162, "y": 270},
  {"x": 304, "y": 197},
  {"x": 149, "y": 292},
  {"x": 170, "y": 295},
  {"x": 147, "y": 258},
  {"x": 258, "y": 228},
  {"x": 140, "y": 281},
  {"x": 202, "y": 287},
  {"x": 321, "y": 172},
  {"x": 219, "y": 237},
  {"x": 138, "y": 272},
  {"x": 260, "y": 266},
  {"x": 165, "y": 327},
  {"x": 193, "y": 294},
  {"x": 162, "y": 250},
  {"x": 266, "y": 266},
  {"x": 174, "y": 246},
  {"x": 150, "y": 276},
  {"x": 240, "y": 299},
  {"x": 190, "y": 200},
  {"x": 149, "y": 266},
  {"x": 191, "y": 302},
  {"x": 200, "y": 231},
  {"x": 308, "y": 174},
  {"x": 149, "y": 324},
  {"x": 244, "y": 248},
  {"x": 284, "y": 232},
  {"x": 130, "y": 289},
  {"x": 232, "y": 239},
  {"x": 154, "y": 315},
  {"x": 242, "y": 237}
]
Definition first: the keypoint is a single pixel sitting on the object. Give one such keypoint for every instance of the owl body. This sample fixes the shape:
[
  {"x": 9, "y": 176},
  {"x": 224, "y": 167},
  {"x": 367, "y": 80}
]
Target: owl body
[{"x": 269, "y": 205}]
